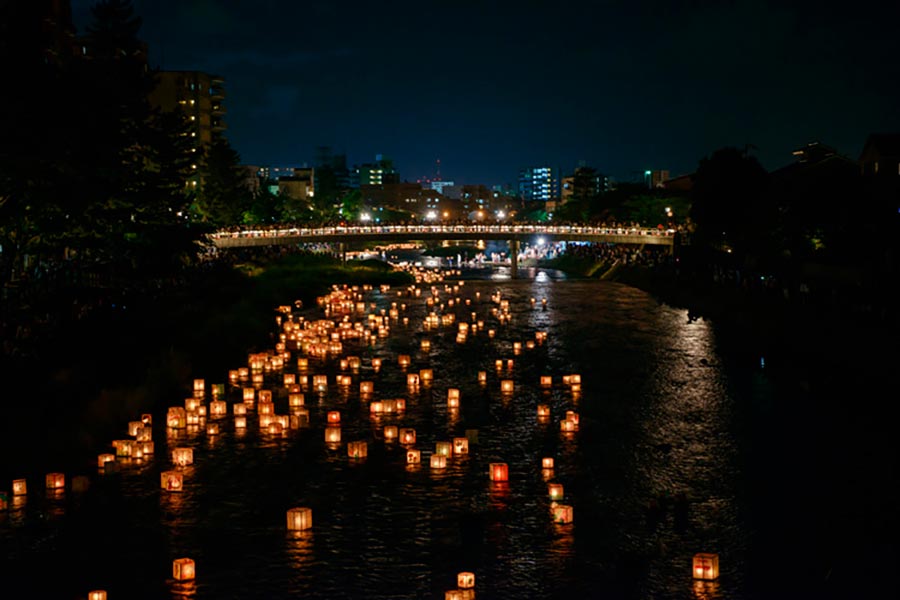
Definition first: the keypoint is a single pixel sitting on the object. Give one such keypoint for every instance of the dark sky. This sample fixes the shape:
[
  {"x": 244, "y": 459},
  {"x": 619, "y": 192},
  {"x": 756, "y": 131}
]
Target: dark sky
[{"x": 489, "y": 87}]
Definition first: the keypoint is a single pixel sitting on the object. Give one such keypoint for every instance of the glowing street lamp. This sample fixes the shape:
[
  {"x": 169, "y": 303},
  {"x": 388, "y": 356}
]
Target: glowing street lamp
[{"x": 365, "y": 217}]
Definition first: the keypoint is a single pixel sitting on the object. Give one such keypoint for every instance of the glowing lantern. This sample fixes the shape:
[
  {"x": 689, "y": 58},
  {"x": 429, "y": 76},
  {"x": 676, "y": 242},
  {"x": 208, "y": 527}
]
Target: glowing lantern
[
  {"x": 412, "y": 380},
  {"x": 218, "y": 390},
  {"x": 376, "y": 407},
  {"x": 547, "y": 462},
  {"x": 257, "y": 379},
  {"x": 199, "y": 387},
  {"x": 344, "y": 380},
  {"x": 400, "y": 405},
  {"x": 176, "y": 417},
  {"x": 265, "y": 420},
  {"x": 290, "y": 379},
  {"x": 123, "y": 448},
  {"x": 144, "y": 434},
  {"x": 171, "y": 481},
  {"x": 509, "y": 364},
  {"x": 453, "y": 394},
  {"x": 19, "y": 487},
  {"x": 572, "y": 416},
  {"x": 147, "y": 419},
  {"x": 465, "y": 580},
  {"x": 239, "y": 409},
  {"x": 303, "y": 364},
  {"x": 334, "y": 416},
  {"x": 249, "y": 394},
  {"x": 218, "y": 408},
  {"x": 366, "y": 388},
  {"x": 183, "y": 569},
  {"x": 407, "y": 436},
  {"x": 266, "y": 408},
  {"x": 243, "y": 373},
  {"x": 546, "y": 381},
  {"x": 438, "y": 461},
  {"x": 460, "y": 445},
  {"x": 240, "y": 422},
  {"x": 97, "y": 595},
  {"x": 443, "y": 448},
  {"x": 134, "y": 427},
  {"x": 426, "y": 375},
  {"x": 320, "y": 382},
  {"x": 403, "y": 360},
  {"x": 296, "y": 400},
  {"x": 706, "y": 566},
  {"x": 299, "y": 519},
  {"x": 275, "y": 427},
  {"x": 413, "y": 457},
  {"x": 482, "y": 376},
  {"x": 568, "y": 426},
  {"x": 555, "y": 490},
  {"x": 426, "y": 345},
  {"x": 562, "y": 513},
  {"x": 543, "y": 411},
  {"x": 390, "y": 433},
  {"x": 499, "y": 364},
  {"x": 506, "y": 386},
  {"x": 333, "y": 435},
  {"x": 376, "y": 364},
  {"x": 102, "y": 459},
  {"x": 201, "y": 411},
  {"x": 357, "y": 449},
  {"x": 183, "y": 456},
  {"x": 499, "y": 472},
  {"x": 265, "y": 396}
]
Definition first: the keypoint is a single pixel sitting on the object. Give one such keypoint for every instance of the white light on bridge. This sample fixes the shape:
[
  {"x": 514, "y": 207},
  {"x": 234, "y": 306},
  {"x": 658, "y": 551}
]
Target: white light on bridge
[{"x": 365, "y": 217}]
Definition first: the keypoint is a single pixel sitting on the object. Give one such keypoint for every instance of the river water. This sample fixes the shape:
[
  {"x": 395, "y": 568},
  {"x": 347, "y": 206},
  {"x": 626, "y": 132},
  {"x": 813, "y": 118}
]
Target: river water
[{"x": 670, "y": 407}]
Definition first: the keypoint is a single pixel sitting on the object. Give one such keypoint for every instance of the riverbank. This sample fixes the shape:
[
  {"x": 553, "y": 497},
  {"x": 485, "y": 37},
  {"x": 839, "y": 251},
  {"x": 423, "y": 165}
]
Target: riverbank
[{"x": 87, "y": 379}]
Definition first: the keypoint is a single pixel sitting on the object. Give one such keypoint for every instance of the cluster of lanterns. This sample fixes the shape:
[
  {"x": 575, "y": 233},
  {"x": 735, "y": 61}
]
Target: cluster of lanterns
[{"x": 349, "y": 321}]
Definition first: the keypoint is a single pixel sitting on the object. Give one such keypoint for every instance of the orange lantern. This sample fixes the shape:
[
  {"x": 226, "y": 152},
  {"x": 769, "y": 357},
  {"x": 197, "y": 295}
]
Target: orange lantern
[
  {"x": 124, "y": 448},
  {"x": 183, "y": 456},
  {"x": 499, "y": 364},
  {"x": 240, "y": 422},
  {"x": 376, "y": 364},
  {"x": 390, "y": 433},
  {"x": 438, "y": 461},
  {"x": 299, "y": 519},
  {"x": 218, "y": 408},
  {"x": 413, "y": 456},
  {"x": 19, "y": 487},
  {"x": 147, "y": 419},
  {"x": 482, "y": 376},
  {"x": 290, "y": 379},
  {"x": 239, "y": 409},
  {"x": 176, "y": 417},
  {"x": 212, "y": 429},
  {"x": 426, "y": 375},
  {"x": 546, "y": 381},
  {"x": 403, "y": 360},
  {"x": 547, "y": 462},
  {"x": 366, "y": 388},
  {"x": 266, "y": 408},
  {"x": 199, "y": 387},
  {"x": 134, "y": 427},
  {"x": 303, "y": 364},
  {"x": 499, "y": 472},
  {"x": 97, "y": 595},
  {"x": 265, "y": 396},
  {"x": 412, "y": 380},
  {"x": 400, "y": 405},
  {"x": 562, "y": 513},
  {"x": 407, "y": 436},
  {"x": 183, "y": 569},
  {"x": 249, "y": 394},
  {"x": 376, "y": 407},
  {"x": 506, "y": 386},
  {"x": 171, "y": 481},
  {"x": 276, "y": 427},
  {"x": 706, "y": 566},
  {"x": 465, "y": 580},
  {"x": 460, "y": 445},
  {"x": 426, "y": 345},
  {"x": 453, "y": 394},
  {"x": 567, "y": 426},
  {"x": 334, "y": 416},
  {"x": 333, "y": 435},
  {"x": 357, "y": 450},
  {"x": 555, "y": 491},
  {"x": 543, "y": 411},
  {"x": 102, "y": 459},
  {"x": 443, "y": 448}
]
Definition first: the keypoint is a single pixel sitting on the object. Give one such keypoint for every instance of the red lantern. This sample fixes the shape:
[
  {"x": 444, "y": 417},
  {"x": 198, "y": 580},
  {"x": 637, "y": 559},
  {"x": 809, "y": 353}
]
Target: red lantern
[
  {"x": 499, "y": 472},
  {"x": 183, "y": 569}
]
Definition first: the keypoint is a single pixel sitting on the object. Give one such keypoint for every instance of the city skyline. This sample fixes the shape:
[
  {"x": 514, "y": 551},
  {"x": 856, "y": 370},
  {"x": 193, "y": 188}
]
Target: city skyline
[{"x": 623, "y": 88}]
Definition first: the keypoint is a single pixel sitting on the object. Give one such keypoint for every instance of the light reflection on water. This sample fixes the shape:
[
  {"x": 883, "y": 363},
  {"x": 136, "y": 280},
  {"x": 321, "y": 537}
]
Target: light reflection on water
[{"x": 655, "y": 422}]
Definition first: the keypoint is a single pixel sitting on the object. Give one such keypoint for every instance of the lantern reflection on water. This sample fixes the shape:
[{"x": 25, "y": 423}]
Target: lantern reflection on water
[
  {"x": 171, "y": 481},
  {"x": 183, "y": 569},
  {"x": 706, "y": 566}
]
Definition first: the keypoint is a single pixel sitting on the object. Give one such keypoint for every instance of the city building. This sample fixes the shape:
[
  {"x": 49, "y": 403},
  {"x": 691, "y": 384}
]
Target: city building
[
  {"x": 381, "y": 172},
  {"x": 439, "y": 186},
  {"x": 655, "y": 178},
  {"x": 539, "y": 184},
  {"x": 585, "y": 183},
  {"x": 881, "y": 155},
  {"x": 299, "y": 185}
]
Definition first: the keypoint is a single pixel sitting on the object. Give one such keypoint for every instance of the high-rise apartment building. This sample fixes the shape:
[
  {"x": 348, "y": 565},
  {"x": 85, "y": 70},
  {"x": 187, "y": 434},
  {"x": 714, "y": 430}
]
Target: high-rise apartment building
[{"x": 539, "y": 184}]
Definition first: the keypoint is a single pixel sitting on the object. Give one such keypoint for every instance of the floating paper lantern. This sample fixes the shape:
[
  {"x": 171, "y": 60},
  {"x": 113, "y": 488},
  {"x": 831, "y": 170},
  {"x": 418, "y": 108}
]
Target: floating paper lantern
[
  {"x": 546, "y": 381},
  {"x": 390, "y": 433},
  {"x": 426, "y": 345},
  {"x": 344, "y": 380},
  {"x": 453, "y": 394},
  {"x": 240, "y": 422},
  {"x": 366, "y": 388},
  {"x": 19, "y": 487},
  {"x": 218, "y": 408},
  {"x": 243, "y": 373},
  {"x": 403, "y": 360},
  {"x": 147, "y": 419},
  {"x": 376, "y": 407},
  {"x": 443, "y": 448},
  {"x": 144, "y": 434},
  {"x": 176, "y": 417},
  {"x": 407, "y": 436},
  {"x": 299, "y": 519},
  {"x": 438, "y": 461},
  {"x": 547, "y": 462},
  {"x": 199, "y": 386},
  {"x": 334, "y": 416},
  {"x": 239, "y": 409},
  {"x": 148, "y": 448},
  {"x": 460, "y": 445},
  {"x": 562, "y": 513},
  {"x": 482, "y": 376},
  {"x": 357, "y": 449},
  {"x": 183, "y": 569},
  {"x": 212, "y": 429},
  {"x": 506, "y": 386},
  {"x": 265, "y": 420},
  {"x": 426, "y": 375},
  {"x": 124, "y": 448},
  {"x": 183, "y": 456},
  {"x": 555, "y": 491},
  {"x": 192, "y": 418},
  {"x": 571, "y": 415},
  {"x": 257, "y": 379},
  {"x": 320, "y": 382},
  {"x": 249, "y": 394},
  {"x": 218, "y": 390},
  {"x": 453, "y": 402},
  {"x": 265, "y": 396},
  {"x": 276, "y": 427},
  {"x": 376, "y": 364},
  {"x": 413, "y": 457},
  {"x": 568, "y": 426},
  {"x": 499, "y": 472},
  {"x": 333, "y": 435},
  {"x": 97, "y": 595},
  {"x": 233, "y": 376},
  {"x": 543, "y": 411},
  {"x": 134, "y": 426},
  {"x": 400, "y": 405},
  {"x": 266, "y": 408},
  {"x": 509, "y": 364},
  {"x": 201, "y": 411},
  {"x": 354, "y": 362},
  {"x": 290, "y": 379},
  {"x": 296, "y": 399},
  {"x": 499, "y": 364},
  {"x": 303, "y": 364},
  {"x": 412, "y": 380},
  {"x": 706, "y": 566},
  {"x": 171, "y": 481},
  {"x": 102, "y": 459},
  {"x": 465, "y": 580}
]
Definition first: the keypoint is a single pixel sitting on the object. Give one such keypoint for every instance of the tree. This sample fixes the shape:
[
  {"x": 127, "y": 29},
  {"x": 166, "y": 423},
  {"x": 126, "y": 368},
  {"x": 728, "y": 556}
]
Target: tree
[{"x": 224, "y": 197}]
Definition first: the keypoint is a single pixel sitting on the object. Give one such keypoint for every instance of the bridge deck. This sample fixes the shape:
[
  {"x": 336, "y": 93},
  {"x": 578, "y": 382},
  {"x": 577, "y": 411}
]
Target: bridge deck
[{"x": 265, "y": 237}]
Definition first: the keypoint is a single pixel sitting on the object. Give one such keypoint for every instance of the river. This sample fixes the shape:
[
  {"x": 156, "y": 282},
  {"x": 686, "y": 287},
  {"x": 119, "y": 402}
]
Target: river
[{"x": 689, "y": 441}]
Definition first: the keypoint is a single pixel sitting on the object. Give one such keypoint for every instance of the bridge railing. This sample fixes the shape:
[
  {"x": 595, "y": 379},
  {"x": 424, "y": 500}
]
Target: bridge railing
[{"x": 318, "y": 232}]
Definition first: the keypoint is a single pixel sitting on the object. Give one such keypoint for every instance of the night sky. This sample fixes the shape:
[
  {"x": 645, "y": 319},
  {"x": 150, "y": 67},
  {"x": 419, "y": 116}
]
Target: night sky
[{"x": 489, "y": 87}]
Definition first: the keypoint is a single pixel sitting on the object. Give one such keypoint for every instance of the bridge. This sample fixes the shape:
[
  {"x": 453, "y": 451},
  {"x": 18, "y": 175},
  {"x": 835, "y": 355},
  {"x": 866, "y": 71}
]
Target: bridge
[{"x": 514, "y": 234}]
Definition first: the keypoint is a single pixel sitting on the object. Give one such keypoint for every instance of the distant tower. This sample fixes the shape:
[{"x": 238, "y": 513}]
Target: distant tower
[{"x": 437, "y": 174}]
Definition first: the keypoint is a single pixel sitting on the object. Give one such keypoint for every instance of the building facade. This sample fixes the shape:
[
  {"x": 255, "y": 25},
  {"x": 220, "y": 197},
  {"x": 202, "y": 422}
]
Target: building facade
[{"x": 539, "y": 184}]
